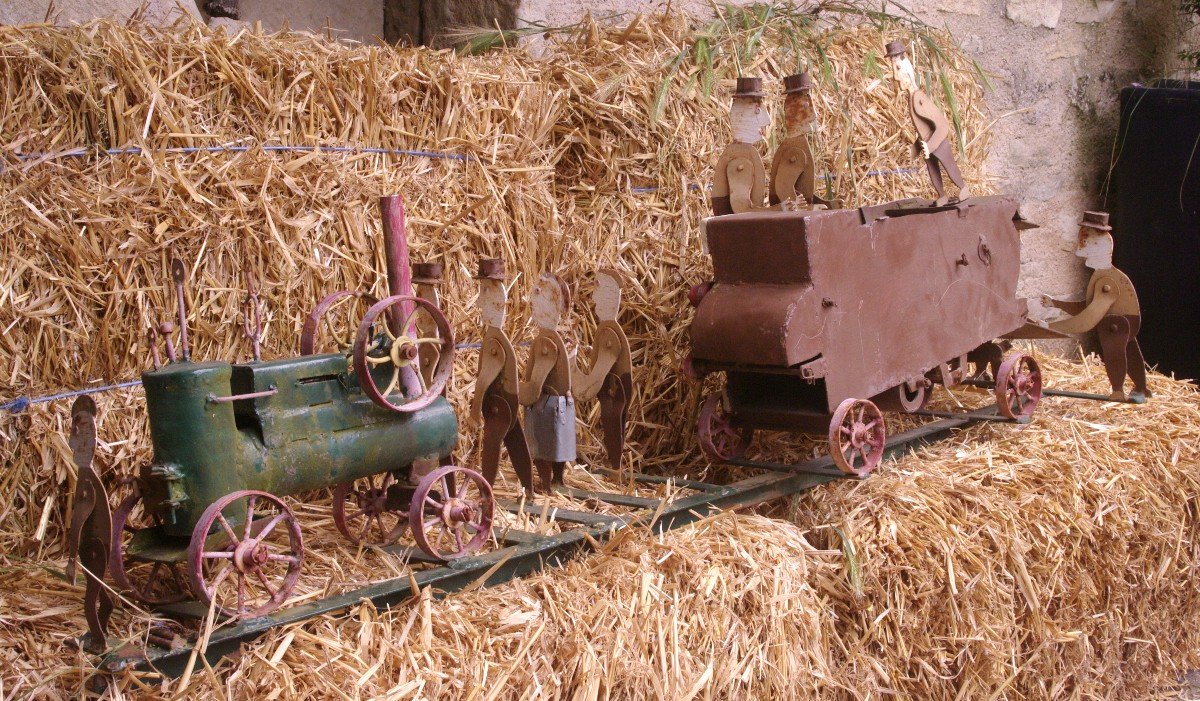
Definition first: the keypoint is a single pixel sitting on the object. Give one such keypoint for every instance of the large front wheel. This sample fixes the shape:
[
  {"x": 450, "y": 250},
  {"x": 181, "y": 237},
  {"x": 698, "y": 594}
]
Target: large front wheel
[{"x": 245, "y": 554}]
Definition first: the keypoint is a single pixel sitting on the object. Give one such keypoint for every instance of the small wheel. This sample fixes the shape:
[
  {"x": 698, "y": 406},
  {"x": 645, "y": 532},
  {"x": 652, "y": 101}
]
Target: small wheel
[
  {"x": 719, "y": 439},
  {"x": 150, "y": 582},
  {"x": 394, "y": 352},
  {"x": 913, "y": 395},
  {"x": 1018, "y": 385},
  {"x": 451, "y": 512},
  {"x": 857, "y": 436},
  {"x": 247, "y": 567},
  {"x": 361, "y": 513},
  {"x": 339, "y": 313}
]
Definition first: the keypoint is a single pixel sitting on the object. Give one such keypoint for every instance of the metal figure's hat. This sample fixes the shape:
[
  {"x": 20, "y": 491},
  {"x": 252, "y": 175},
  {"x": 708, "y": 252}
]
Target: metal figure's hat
[
  {"x": 427, "y": 273},
  {"x": 490, "y": 269},
  {"x": 1096, "y": 220},
  {"x": 798, "y": 82},
  {"x": 748, "y": 87},
  {"x": 896, "y": 48}
]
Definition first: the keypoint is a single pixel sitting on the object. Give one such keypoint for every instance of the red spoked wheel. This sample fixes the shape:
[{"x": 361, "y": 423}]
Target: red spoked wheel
[
  {"x": 362, "y": 513},
  {"x": 338, "y": 314},
  {"x": 397, "y": 352},
  {"x": 1018, "y": 385},
  {"x": 451, "y": 512},
  {"x": 148, "y": 581},
  {"x": 719, "y": 438},
  {"x": 250, "y": 568},
  {"x": 857, "y": 436}
]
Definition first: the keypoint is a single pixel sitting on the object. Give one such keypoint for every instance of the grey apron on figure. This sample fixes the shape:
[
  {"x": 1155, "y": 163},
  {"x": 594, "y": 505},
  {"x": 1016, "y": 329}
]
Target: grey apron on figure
[{"x": 550, "y": 427}]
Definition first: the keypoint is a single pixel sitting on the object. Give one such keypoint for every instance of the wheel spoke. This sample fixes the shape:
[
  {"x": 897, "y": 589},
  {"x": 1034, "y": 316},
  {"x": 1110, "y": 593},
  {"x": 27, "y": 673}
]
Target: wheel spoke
[
  {"x": 228, "y": 529},
  {"x": 280, "y": 557},
  {"x": 428, "y": 525},
  {"x": 395, "y": 380},
  {"x": 262, "y": 578},
  {"x": 423, "y": 341},
  {"x": 271, "y": 526},
  {"x": 380, "y": 360},
  {"x": 250, "y": 502},
  {"x": 458, "y": 541},
  {"x": 433, "y": 502},
  {"x": 241, "y": 592},
  {"x": 216, "y": 555}
]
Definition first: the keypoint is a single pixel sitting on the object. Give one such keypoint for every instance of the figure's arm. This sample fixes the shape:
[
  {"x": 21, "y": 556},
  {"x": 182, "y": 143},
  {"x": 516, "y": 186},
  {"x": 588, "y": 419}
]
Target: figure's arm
[
  {"x": 1091, "y": 315},
  {"x": 740, "y": 174},
  {"x": 941, "y": 130},
  {"x": 588, "y": 384},
  {"x": 491, "y": 364},
  {"x": 543, "y": 357},
  {"x": 1067, "y": 305}
]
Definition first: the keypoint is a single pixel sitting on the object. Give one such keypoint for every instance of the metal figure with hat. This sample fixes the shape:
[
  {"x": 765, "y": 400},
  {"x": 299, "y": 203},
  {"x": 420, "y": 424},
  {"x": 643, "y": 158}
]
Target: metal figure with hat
[
  {"x": 498, "y": 382},
  {"x": 90, "y": 535},
  {"x": 739, "y": 177},
  {"x": 610, "y": 378},
  {"x": 546, "y": 390},
  {"x": 1110, "y": 306},
  {"x": 793, "y": 169},
  {"x": 933, "y": 129}
]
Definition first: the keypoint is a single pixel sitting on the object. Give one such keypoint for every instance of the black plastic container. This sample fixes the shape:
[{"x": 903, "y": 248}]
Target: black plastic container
[{"x": 1156, "y": 218}]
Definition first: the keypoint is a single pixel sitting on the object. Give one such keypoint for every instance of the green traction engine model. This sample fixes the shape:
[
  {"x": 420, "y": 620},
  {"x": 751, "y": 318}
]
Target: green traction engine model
[{"x": 205, "y": 519}]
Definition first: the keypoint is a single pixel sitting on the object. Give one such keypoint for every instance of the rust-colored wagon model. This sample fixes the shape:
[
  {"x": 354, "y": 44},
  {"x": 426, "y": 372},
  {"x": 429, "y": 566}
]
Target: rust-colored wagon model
[{"x": 821, "y": 319}]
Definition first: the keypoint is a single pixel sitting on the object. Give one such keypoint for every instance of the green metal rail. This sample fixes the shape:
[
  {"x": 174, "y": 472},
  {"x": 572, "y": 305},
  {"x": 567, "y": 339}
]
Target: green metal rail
[{"x": 524, "y": 553}]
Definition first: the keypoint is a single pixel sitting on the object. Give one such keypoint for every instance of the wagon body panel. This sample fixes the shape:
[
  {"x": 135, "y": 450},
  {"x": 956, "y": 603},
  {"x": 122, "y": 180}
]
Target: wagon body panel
[
  {"x": 911, "y": 292},
  {"x": 880, "y": 295}
]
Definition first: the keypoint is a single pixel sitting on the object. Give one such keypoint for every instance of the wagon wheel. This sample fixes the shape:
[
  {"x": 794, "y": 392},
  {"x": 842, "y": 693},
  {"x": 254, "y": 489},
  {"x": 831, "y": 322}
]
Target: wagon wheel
[
  {"x": 857, "y": 436},
  {"x": 719, "y": 439},
  {"x": 451, "y": 512},
  {"x": 914, "y": 394},
  {"x": 396, "y": 352},
  {"x": 361, "y": 513},
  {"x": 148, "y": 581},
  {"x": 249, "y": 568},
  {"x": 1018, "y": 385},
  {"x": 338, "y": 315}
]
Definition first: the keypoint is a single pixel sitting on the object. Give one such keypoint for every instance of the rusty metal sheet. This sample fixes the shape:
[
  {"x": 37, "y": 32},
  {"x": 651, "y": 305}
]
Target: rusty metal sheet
[{"x": 881, "y": 301}]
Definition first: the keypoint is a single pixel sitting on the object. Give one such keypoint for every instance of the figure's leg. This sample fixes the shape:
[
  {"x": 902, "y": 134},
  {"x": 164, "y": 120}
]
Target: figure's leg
[
  {"x": 545, "y": 470},
  {"x": 935, "y": 177},
  {"x": 497, "y": 420},
  {"x": 945, "y": 156},
  {"x": 97, "y": 603},
  {"x": 518, "y": 453},
  {"x": 1137, "y": 363},
  {"x": 559, "y": 469},
  {"x": 1114, "y": 338},
  {"x": 612, "y": 419}
]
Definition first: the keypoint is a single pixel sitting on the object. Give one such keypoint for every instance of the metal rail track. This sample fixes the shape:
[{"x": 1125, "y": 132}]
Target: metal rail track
[{"x": 525, "y": 553}]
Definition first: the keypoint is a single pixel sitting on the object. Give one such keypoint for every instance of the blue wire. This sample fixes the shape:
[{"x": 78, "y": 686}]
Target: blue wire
[
  {"x": 138, "y": 150},
  {"x": 20, "y": 404}
]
